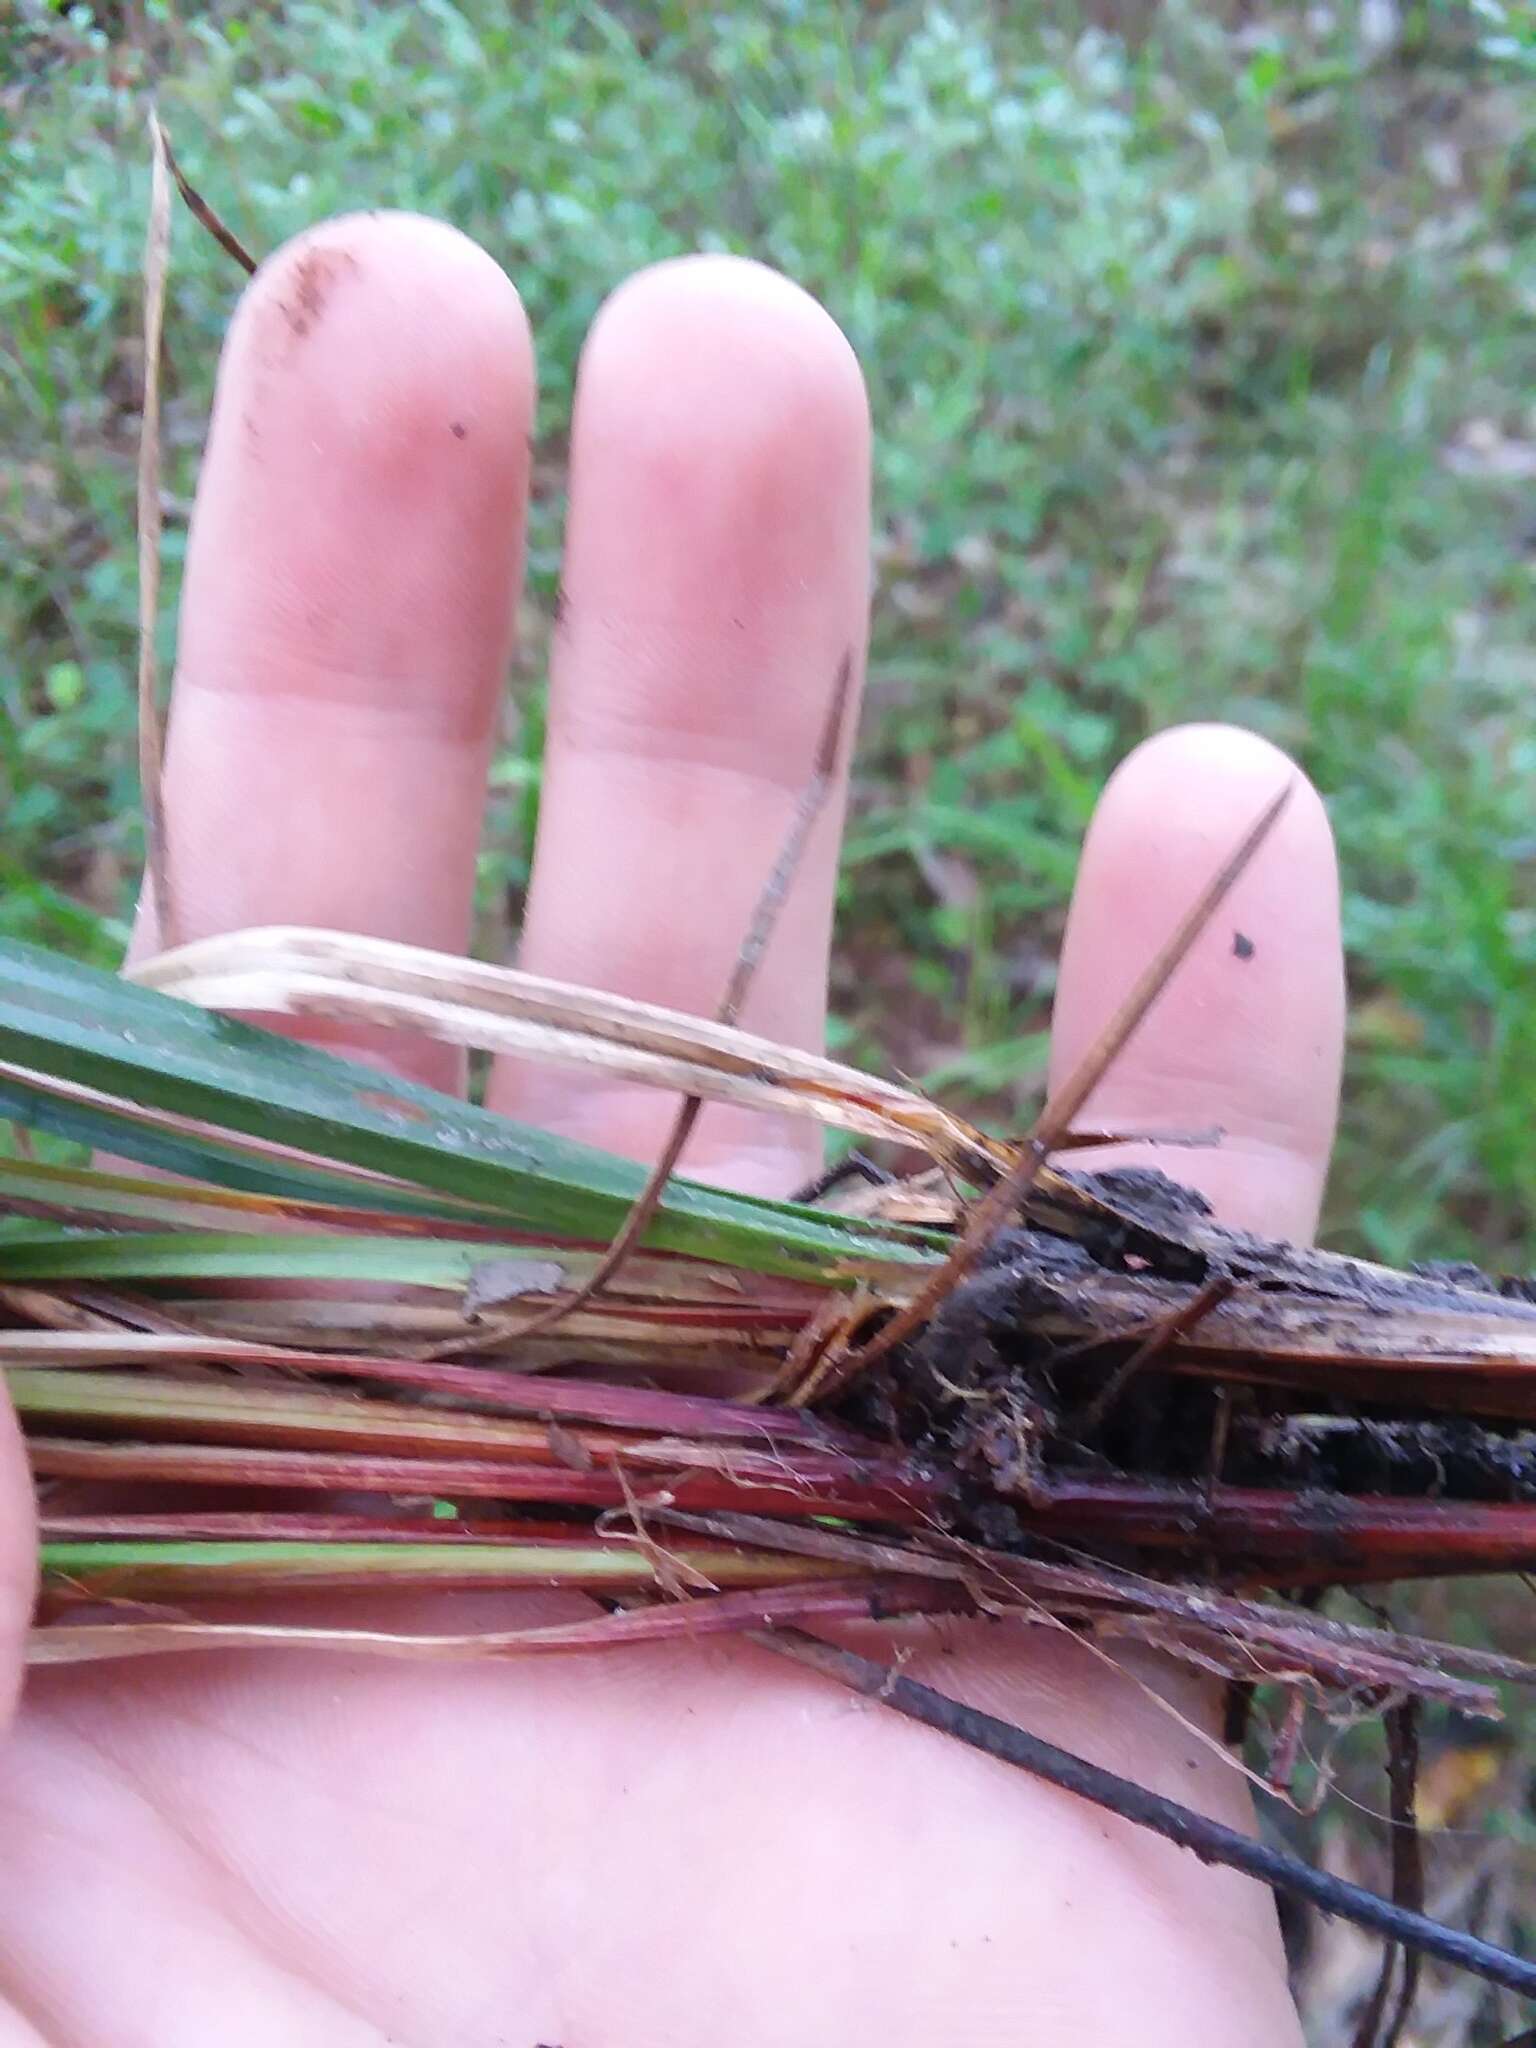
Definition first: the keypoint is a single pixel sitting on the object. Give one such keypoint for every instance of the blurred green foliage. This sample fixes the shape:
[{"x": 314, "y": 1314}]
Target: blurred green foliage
[{"x": 1200, "y": 346}]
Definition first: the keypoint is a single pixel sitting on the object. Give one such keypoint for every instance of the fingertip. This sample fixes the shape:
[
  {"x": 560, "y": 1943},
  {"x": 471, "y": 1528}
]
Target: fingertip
[
  {"x": 745, "y": 328},
  {"x": 1232, "y": 769},
  {"x": 369, "y": 442},
  {"x": 720, "y": 466},
  {"x": 329, "y": 290},
  {"x": 404, "y": 335},
  {"x": 1248, "y": 1037}
]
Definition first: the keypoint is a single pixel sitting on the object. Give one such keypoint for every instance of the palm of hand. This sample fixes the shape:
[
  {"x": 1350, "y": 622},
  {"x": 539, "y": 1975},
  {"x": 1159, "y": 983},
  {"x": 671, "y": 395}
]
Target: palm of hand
[{"x": 692, "y": 1845}]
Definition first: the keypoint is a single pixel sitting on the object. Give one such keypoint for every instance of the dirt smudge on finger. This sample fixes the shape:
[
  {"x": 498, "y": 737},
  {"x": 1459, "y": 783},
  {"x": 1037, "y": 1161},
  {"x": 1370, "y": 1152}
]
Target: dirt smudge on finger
[{"x": 306, "y": 294}]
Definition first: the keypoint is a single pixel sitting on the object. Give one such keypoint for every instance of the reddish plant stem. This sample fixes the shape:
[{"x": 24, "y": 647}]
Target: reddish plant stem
[
  {"x": 896, "y": 1499},
  {"x": 482, "y": 1386},
  {"x": 1302, "y": 1537},
  {"x": 283, "y": 1526},
  {"x": 730, "y": 1613}
]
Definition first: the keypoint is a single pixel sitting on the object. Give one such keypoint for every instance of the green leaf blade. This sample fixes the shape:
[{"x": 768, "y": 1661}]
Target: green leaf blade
[{"x": 81, "y": 1025}]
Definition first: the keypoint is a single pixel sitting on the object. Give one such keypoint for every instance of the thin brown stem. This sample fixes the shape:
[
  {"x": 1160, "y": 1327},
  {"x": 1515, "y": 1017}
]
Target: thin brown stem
[
  {"x": 1061, "y": 1111},
  {"x": 1206, "y": 1838},
  {"x": 1407, "y": 1847},
  {"x": 1178, "y": 1324},
  {"x": 157, "y": 250},
  {"x": 1063, "y": 1108},
  {"x": 203, "y": 213},
  {"x": 765, "y": 916}
]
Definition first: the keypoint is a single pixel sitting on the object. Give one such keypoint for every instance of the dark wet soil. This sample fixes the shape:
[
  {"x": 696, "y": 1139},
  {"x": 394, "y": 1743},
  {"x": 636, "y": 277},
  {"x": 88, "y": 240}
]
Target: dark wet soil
[{"x": 1309, "y": 1373}]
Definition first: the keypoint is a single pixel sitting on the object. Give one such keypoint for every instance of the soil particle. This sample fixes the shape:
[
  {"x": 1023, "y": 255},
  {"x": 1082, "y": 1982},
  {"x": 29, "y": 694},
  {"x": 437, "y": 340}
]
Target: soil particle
[
  {"x": 1323, "y": 1516},
  {"x": 1150, "y": 1195},
  {"x": 991, "y": 1393},
  {"x": 1457, "y": 1273},
  {"x": 309, "y": 290},
  {"x": 458, "y": 429},
  {"x": 1242, "y": 946}
]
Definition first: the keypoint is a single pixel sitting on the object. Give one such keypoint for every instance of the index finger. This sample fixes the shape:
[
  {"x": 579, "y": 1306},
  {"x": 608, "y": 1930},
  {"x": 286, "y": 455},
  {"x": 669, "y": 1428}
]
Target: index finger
[{"x": 352, "y": 573}]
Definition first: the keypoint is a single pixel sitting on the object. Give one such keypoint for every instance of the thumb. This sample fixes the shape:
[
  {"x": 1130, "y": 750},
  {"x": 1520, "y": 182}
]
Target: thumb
[{"x": 18, "y": 1557}]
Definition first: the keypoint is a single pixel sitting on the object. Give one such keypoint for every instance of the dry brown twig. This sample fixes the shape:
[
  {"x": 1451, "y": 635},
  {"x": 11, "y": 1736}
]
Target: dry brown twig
[
  {"x": 203, "y": 213},
  {"x": 1209, "y": 1840},
  {"x": 1001, "y": 1202},
  {"x": 765, "y": 914},
  {"x": 157, "y": 252}
]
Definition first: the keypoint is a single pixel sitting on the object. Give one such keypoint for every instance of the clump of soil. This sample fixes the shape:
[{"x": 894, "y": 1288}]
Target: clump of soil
[{"x": 1046, "y": 1365}]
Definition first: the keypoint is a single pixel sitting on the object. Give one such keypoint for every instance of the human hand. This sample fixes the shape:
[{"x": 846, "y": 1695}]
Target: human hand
[{"x": 648, "y": 1848}]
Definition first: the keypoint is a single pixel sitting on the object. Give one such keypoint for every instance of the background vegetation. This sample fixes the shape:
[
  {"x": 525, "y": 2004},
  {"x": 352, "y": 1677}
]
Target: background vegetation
[{"x": 1200, "y": 339}]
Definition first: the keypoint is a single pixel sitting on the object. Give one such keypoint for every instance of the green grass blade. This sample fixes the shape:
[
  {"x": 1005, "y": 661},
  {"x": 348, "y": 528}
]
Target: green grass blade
[
  {"x": 209, "y": 1565},
  {"x": 43, "y": 1254},
  {"x": 53, "y": 1251},
  {"x": 80, "y": 1024},
  {"x": 195, "y": 1155},
  {"x": 73, "y": 1192}
]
